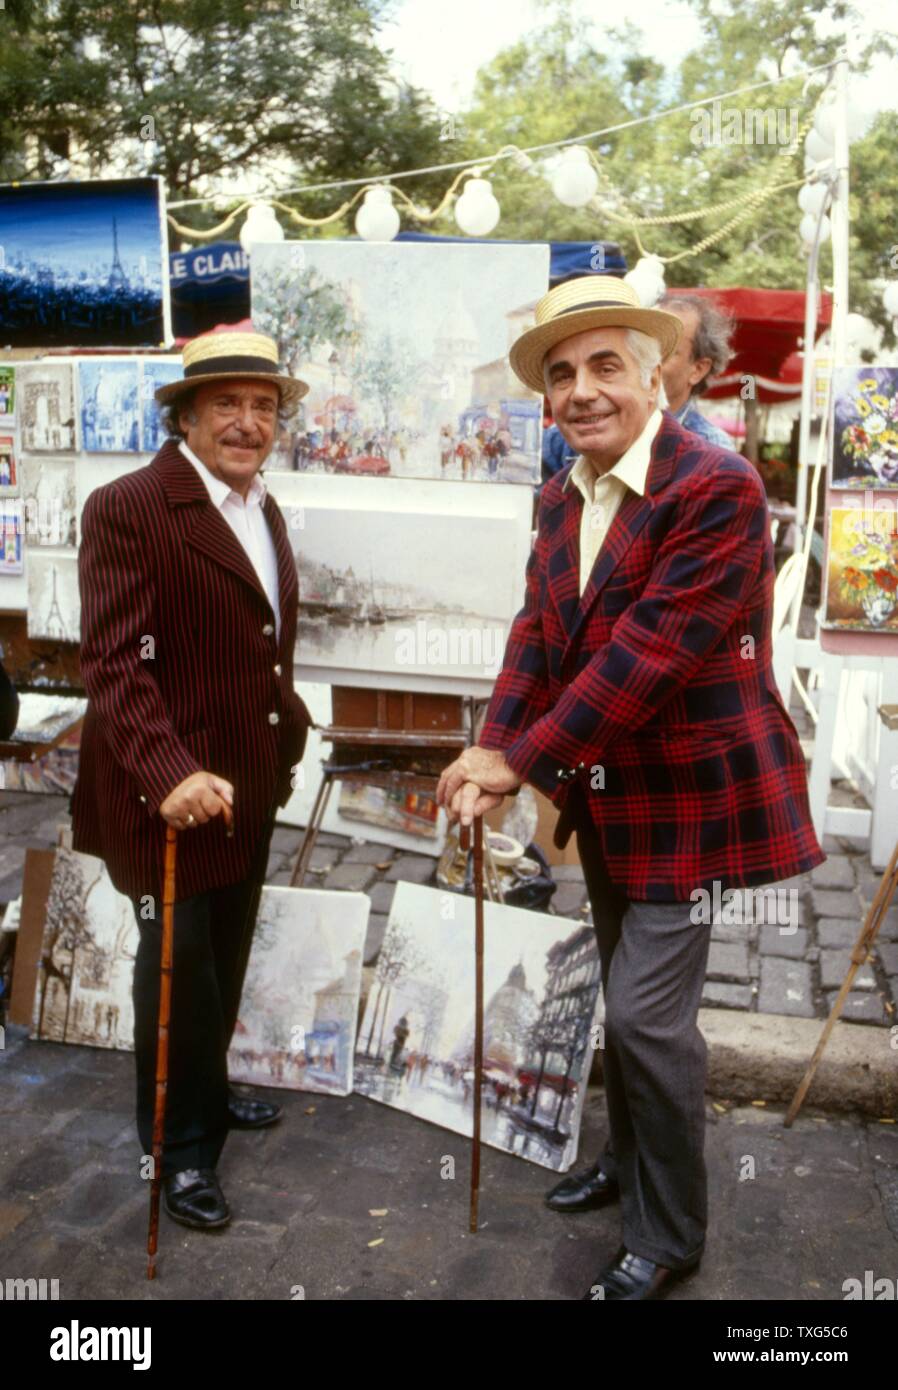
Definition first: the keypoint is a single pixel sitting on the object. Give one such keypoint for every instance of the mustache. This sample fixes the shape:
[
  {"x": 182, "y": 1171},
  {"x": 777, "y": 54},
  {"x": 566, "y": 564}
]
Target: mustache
[{"x": 242, "y": 441}]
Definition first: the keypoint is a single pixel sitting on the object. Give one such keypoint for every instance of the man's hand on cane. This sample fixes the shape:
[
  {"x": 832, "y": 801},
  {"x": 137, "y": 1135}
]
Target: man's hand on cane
[
  {"x": 196, "y": 800},
  {"x": 477, "y": 781}
]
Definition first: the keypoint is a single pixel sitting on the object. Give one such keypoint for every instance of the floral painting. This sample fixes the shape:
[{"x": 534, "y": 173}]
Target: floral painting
[
  {"x": 862, "y": 578},
  {"x": 865, "y": 427}
]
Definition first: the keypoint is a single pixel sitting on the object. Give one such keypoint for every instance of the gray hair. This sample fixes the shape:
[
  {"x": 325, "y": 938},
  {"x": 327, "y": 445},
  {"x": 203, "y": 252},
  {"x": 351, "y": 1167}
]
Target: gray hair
[
  {"x": 647, "y": 352},
  {"x": 712, "y": 334},
  {"x": 169, "y": 415}
]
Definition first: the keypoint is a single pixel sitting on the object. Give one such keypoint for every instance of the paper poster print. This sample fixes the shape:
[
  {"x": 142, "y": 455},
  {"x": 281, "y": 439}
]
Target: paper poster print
[
  {"x": 405, "y": 350},
  {"x": 415, "y": 1048},
  {"x": 154, "y": 375},
  {"x": 300, "y": 1000},
  {"x": 7, "y": 391},
  {"x": 54, "y": 606},
  {"x": 109, "y": 406},
  {"x": 48, "y": 498},
  {"x": 11, "y": 561},
  {"x": 85, "y": 264},
  {"x": 86, "y": 970},
  {"x": 865, "y": 427},
  {"x": 9, "y": 471},
  {"x": 862, "y": 571},
  {"x": 46, "y": 407}
]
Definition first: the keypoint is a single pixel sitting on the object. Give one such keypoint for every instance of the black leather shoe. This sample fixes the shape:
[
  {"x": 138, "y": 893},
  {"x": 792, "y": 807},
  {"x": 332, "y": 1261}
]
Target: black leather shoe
[
  {"x": 251, "y": 1114},
  {"x": 583, "y": 1191},
  {"x": 631, "y": 1279},
  {"x": 194, "y": 1198}
]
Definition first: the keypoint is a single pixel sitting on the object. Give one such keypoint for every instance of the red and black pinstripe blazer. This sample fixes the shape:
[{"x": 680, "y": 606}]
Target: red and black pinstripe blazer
[
  {"x": 655, "y": 690},
  {"x": 183, "y": 673}
]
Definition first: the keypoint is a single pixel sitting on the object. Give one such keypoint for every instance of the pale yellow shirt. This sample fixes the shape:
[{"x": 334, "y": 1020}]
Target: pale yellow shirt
[
  {"x": 247, "y": 521},
  {"x": 602, "y": 495}
]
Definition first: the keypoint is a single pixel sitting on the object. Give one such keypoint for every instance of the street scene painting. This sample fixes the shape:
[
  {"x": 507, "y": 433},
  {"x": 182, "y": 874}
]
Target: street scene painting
[
  {"x": 155, "y": 374},
  {"x": 46, "y": 407},
  {"x": 83, "y": 992},
  {"x": 48, "y": 497},
  {"x": 862, "y": 573},
  {"x": 300, "y": 1000},
  {"x": 404, "y": 578},
  {"x": 865, "y": 427},
  {"x": 85, "y": 264},
  {"x": 405, "y": 350},
  {"x": 54, "y": 604},
  {"x": 109, "y": 393},
  {"x": 9, "y": 467},
  {"x": 415, "y": 1048},
  {"x": 7, "y": 391}
]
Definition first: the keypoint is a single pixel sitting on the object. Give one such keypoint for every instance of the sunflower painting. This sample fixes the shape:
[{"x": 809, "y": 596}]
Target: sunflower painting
[
  {"x": 862, "y": 575},
  {"x": 865, "y": 427}
]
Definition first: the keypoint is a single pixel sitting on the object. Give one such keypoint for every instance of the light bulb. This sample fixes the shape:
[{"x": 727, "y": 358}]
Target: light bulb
[
  {"x": 808, "y": 229},
  {"x": 817, "y": 148},
  {"x": 477, "y": 210},
  {"x": 261, "y": 225},
  {"x": 812, "y": 197},
  {"x": 377, "y": 219},
  {"x": 890, "y": 299},
  {"x": 575, "y": 181}
]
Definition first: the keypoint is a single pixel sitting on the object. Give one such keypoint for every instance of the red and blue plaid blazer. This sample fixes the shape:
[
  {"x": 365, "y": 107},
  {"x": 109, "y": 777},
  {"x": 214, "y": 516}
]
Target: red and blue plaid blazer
[{"x": 655, "y": 690}]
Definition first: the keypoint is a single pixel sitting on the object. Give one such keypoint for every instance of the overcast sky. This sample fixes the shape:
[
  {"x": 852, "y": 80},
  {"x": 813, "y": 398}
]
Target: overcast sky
[{"x": 439, "y": 45}]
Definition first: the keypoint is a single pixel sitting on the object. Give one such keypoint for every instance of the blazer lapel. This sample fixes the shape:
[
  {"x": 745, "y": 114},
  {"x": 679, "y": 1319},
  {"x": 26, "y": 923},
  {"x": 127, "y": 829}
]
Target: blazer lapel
[{"x": 286, "y": 561}]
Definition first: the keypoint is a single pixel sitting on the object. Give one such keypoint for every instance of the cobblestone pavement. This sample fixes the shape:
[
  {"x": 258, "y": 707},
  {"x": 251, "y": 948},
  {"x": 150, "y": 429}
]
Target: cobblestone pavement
[
  {"x": 751, "y": 967},
  {"x": 346, "y": 1199}
]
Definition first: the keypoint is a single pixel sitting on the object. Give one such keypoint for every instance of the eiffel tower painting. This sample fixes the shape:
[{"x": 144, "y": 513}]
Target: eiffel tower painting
[
  {"x": 118, "y": 280},
  {"x": 53, "y": 606}
]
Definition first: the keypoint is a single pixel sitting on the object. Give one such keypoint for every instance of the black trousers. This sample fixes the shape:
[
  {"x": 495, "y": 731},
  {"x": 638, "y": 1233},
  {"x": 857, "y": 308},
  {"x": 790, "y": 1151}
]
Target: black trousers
[
  {"x": 654, "y": 959},
  {"x": 212, "y": 938}
]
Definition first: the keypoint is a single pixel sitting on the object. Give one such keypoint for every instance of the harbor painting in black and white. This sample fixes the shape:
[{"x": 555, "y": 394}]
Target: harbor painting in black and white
[
  {"x": 46, "y": 407},
  {"x": 109, "y": 394},
  {"x": 87, "y": 958},
  {"x": 84, "y": 264},
  {"x": 155, "y": 374},
  {"x": 415, "y": 1049},
  {"x": 300, "y": 999}
]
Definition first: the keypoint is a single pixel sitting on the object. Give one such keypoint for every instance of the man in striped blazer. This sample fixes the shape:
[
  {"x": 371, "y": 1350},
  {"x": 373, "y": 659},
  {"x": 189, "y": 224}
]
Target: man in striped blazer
[
  {"x": 637, "y": 692},
  {"x": 188, "y": 616}
]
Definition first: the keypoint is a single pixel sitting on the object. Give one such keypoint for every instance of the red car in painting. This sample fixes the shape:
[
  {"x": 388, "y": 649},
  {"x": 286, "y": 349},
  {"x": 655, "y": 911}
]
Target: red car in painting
[{"x": 371, "y": 465}]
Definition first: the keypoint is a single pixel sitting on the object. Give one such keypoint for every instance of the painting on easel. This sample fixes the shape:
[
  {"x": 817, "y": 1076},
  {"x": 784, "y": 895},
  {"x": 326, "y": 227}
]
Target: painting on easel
[{"x": 862, "y": 570}]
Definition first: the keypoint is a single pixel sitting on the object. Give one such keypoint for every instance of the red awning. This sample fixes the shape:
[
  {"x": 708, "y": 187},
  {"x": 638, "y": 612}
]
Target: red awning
[{"x": 769, "y": 325}]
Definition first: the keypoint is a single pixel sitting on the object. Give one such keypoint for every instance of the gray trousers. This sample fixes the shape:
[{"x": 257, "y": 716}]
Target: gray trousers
[{"x": 653, "y": 967}]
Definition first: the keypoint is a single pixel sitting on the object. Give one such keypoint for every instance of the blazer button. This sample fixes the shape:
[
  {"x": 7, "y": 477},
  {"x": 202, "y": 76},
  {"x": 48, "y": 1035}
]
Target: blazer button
[
  {"x": 144, "y": 800},
  {"x": 274, "y": 718},
  {"x": 277, "y": 669},
  {"x": 268, "y": 630}
]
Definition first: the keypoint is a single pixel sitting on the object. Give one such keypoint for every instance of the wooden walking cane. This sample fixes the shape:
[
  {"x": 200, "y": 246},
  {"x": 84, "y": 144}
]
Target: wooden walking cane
[
  {"x": 168, "y": 939},
  {"x": 477, "y": 832},
  {"x": 878, "y": 909}
]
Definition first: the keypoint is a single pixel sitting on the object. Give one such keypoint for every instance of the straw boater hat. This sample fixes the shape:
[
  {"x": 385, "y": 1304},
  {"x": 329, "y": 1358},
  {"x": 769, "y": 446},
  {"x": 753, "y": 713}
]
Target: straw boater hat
[
  {"x": 237, "y": 351},
  {"x": 590, "y": 301}
]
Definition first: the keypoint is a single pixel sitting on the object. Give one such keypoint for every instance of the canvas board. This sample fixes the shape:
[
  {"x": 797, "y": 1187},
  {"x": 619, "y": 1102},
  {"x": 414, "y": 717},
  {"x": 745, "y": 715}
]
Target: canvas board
[
  {"x": 46, "y": 406},
  {"x": 7, "y": 393},
  {"x": 865, "y": 428},
  {"x": 85, "y": 264},
  {"x": 404, "y": 581},
  {"x": 300, "y": 1001},
  {"x": 54, "y": 603},
  {"x": 405, "y": 351},
  {"x": 415, "y": 1047},
  {"x": 48, "y": 498},
  {"x": 862, "y": 570},
  {"x": 85, "y": 974}
]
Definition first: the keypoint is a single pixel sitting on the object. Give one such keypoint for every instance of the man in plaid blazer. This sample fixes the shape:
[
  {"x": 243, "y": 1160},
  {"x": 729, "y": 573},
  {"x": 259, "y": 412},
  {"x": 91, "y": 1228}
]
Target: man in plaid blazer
[{"x": 637, "y": 692}]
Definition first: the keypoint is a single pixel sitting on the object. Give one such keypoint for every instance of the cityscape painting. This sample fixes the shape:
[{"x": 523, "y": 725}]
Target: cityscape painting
[
  {"x": 109, "y": 394},
  {"x": 415, "y": 1048},
  {"x": 400, "y": 577},
  {"x": 54, "y": 604},
  {"x": 7, "y": 391},
  {"x": 155, "y": 374},
  {"x": 85, "y": 264},
  {"x": 300, "y": 1000},
  {"x": 46, "y": 406},
  {"x": 9, "y": 468},
  {"x": 405, "y": 350},
  {"x": 48, "y": 498},
  {"x": 90, "y": 940}
]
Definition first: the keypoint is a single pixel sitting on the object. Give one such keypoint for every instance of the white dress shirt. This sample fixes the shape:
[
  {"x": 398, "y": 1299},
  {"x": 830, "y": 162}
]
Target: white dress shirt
[
  {"x": 247, "y": 520},
  {"x": 603, "y": 493}
]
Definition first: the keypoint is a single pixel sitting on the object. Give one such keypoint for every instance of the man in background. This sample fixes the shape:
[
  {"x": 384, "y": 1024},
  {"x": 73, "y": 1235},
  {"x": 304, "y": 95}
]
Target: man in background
[{"x": 701, "y": 354}]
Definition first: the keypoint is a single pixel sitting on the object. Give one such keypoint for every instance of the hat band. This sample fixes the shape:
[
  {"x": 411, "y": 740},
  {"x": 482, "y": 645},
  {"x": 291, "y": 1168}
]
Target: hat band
[
  {"x": 596, "y": 304},
  {"x": 232, "y": 366}
]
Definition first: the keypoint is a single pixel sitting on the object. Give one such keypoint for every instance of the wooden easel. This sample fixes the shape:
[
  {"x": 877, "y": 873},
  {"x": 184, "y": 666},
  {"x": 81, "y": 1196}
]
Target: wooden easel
[{"x": 394, "y": 739}]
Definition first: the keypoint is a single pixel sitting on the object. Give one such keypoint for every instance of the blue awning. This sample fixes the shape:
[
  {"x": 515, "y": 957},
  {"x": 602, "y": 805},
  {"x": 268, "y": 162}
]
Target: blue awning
[{"x": 565, "y": 257}]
